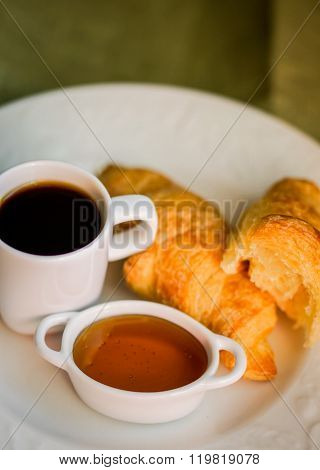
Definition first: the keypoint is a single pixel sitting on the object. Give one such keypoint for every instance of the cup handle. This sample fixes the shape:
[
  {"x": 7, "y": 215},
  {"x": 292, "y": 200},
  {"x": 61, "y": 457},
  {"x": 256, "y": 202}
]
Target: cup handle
[
  {"x": 138, "y": 238},
  {"x": 55, "y": 357},
  {"x": 228, "y": 344}
]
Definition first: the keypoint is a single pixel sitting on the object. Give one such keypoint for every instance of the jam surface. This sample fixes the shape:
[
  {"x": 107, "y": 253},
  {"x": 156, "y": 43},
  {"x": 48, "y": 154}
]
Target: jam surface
[{"x": 139, "y": 353}]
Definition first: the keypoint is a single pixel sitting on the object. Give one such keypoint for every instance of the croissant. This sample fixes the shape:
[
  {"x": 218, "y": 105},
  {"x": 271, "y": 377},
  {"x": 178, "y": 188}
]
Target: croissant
[
  {"x": 182, "y": 268},
  {"x": 279, "y": 237}
]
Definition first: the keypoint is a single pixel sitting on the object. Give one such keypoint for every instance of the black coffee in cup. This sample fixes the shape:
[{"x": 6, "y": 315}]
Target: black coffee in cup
[{"x": 49, "y": 218}]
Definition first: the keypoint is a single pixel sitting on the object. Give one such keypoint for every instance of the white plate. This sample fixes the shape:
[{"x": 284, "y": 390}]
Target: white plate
[{"x": 173, "y": 130}]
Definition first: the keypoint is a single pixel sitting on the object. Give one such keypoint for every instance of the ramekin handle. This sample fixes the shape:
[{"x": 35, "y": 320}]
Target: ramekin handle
[
  {"x": 55, "y": 357},
  {"x": 227, "y": 344}
]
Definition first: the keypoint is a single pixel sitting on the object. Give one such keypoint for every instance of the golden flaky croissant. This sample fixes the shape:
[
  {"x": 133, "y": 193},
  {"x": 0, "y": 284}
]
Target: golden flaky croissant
[
  {"x": 182, "y": 268},
  {"x": 279, "y": 236}
]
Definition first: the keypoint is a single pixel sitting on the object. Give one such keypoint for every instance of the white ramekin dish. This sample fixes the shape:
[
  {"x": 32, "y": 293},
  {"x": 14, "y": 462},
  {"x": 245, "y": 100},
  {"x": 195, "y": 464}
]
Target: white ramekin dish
[{"x": 139, "y": 407}]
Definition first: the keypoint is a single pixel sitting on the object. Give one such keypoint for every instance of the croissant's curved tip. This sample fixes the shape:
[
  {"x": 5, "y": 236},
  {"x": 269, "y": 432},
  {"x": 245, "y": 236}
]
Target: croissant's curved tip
[{"x": 261, "y": 365}]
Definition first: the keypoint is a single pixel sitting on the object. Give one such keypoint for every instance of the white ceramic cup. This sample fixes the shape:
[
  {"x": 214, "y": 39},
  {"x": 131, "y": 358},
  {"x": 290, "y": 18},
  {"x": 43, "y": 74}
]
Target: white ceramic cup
[
  {"x": 33, "y": 286},
  {"x": 139, "y": 407}
]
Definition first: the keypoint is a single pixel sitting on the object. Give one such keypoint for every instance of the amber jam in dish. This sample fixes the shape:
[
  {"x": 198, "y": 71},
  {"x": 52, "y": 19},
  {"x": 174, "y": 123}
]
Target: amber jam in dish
[{"x": 139, "y": 353}]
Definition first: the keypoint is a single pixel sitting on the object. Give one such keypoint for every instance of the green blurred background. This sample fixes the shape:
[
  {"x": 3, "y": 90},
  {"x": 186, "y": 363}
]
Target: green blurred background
[{"x": 226, "y": 47}]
